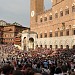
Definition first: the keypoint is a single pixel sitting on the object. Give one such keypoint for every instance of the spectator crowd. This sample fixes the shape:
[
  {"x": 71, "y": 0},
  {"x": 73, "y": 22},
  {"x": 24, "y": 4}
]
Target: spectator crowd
[{"x": 17, "y": 62}]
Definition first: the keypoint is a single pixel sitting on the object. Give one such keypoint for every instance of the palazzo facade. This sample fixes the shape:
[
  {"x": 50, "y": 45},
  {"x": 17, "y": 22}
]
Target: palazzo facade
[{"x": 54, "y": 28}]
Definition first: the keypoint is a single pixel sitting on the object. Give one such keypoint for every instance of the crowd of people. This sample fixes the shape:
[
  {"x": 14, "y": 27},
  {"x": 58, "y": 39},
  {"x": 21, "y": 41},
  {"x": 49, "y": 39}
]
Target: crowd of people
[{"x": 17, "y": 62}]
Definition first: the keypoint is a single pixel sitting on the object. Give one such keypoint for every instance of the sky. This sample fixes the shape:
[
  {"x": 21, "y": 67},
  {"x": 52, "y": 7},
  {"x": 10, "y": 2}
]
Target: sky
[{"x": 18, "y": 11}]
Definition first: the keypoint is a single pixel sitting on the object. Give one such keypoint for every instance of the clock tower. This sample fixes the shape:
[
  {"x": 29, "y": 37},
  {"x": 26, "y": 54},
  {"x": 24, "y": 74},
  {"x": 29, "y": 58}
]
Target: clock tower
[{"x": 36, "y": 7}]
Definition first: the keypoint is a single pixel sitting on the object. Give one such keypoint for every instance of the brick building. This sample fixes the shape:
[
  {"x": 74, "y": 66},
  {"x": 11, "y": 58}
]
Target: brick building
[
  {"x": 55, "y": 27},
  {"x": 8, "y": 32}
]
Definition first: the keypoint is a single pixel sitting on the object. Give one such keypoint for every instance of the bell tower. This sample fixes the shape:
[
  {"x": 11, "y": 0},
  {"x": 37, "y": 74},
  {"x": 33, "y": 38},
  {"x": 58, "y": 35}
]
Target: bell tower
[{"x": 36, "y": 7}]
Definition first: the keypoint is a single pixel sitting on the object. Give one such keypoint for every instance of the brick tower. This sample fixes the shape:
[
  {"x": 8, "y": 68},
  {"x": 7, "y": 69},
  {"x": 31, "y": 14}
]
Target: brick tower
[{"x": 36, "y": 7}]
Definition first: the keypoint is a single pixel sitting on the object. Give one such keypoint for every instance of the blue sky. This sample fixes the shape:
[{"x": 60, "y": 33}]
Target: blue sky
[{"x": 17, "y": 11}]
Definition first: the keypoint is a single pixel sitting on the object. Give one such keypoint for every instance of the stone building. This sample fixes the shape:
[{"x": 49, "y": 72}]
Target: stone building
[{"x": 55, "y": 27}]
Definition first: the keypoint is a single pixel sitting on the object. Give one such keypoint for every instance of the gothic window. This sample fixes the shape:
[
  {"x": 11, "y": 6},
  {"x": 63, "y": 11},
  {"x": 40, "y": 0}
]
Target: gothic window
[
  {"x": 67, "y": 32},
  {"x": 61, "y": 33},
  {"x": 66, "y": 11},
  {"x": 73, "y": 8},
  {"x": 61, "y": 13},
  {"x": 50, "y": 17},
  {"x": 41, "y": 35},
  {"x": 45, "y": 18},
  {"x": 45, "y": 35},
  {"x": 56, "y": 34},
  {"x": 56, "y": 15},
  {"x": 50, "y": 34},
  {"x": 73, "y": 32},
  {"x": 41, "y": 20}
]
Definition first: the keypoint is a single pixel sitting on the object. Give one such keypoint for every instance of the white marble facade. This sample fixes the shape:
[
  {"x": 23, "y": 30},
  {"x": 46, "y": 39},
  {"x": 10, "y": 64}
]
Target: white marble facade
[{"x": 63, "y": 40}]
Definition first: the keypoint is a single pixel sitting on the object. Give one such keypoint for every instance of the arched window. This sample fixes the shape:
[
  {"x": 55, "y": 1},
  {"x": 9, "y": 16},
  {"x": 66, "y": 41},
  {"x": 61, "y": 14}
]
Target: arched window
[
  {"x": 61, "y": 13},
  {"x": 73, "y": 8},
  {"x": 56, "y": 15},
  {"x": 41, "y": 20},
  {"x": 73, "y": 32},
  {"x": 67, "y": 11},
  {"x": 41, "y": 35},
  {"x": 45, "y": 35},
  {"x": 67, "y": 32},
  {"x": 56, "y": 34},
  {"x": 45, "y": 18},
  {"x": 61, "y": 33},
  {"x": 50, "y": 17},
  {"x": 50, "y": 34}
]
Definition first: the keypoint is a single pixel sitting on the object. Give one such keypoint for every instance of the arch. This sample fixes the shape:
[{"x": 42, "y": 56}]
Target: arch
[
  {"x": 45, "y": 31},
  {"x": 73, "y": 46},
  {"x": 31, "y": 43},
  {"x": 56, "y": 46},
  {"x": 50, "y": 14},
  {"x": 61, "y": 9},
  {"x": 50, "y": 46},
  {"x": 67, "y": 46},
  {"x": 45, "y": 46},
  {"x": 41, "y": 45},
  {"x": 61, "y": 46},
  {"x": 67, "y": 27},
  {"x": 50, "y": 31},
  {"x": 73, "y": 4}
]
